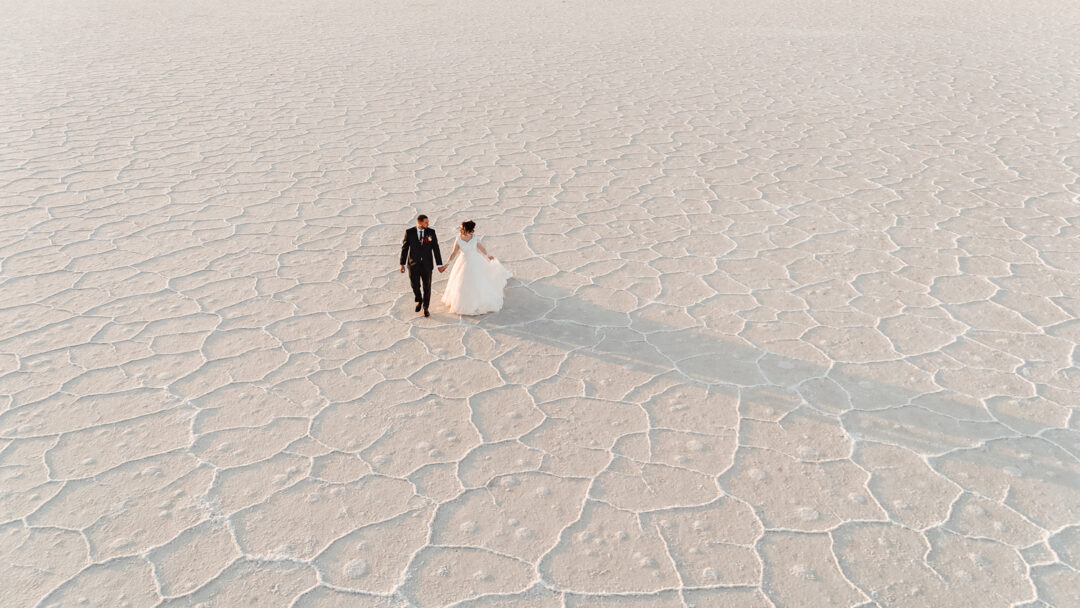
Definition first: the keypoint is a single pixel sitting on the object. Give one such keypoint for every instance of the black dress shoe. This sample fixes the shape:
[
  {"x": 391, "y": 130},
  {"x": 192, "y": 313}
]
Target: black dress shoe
[
  {"x": 426, "y": 313},
  {"x": 418, "y": 305}
]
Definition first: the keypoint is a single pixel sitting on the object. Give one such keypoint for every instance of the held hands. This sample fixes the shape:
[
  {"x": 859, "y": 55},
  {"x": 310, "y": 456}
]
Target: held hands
[
  {"x": 442, "y": 268},
  {"x": 491, "y": 258}
]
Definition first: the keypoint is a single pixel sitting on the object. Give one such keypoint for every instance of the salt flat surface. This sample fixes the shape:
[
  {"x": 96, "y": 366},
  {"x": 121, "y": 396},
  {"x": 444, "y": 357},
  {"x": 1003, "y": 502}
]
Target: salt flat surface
[{"x": 794, "y": 320}]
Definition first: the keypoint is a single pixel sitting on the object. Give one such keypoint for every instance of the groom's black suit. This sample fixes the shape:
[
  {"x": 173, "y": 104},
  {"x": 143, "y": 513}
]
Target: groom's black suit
[{"x": 418, "y": 254}]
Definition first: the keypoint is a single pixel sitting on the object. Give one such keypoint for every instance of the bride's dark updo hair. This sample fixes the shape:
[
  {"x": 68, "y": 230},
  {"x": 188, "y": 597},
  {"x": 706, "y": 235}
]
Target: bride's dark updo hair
[{"x": 469, "y": 226}]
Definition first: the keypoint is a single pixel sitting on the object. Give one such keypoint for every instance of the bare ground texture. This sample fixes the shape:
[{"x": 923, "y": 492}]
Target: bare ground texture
[{"x": 793, "y": 322}]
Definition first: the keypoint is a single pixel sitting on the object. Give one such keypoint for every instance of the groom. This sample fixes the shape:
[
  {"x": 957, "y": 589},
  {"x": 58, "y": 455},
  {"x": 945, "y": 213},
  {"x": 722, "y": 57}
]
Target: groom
[{"x": 417, "y": 248}]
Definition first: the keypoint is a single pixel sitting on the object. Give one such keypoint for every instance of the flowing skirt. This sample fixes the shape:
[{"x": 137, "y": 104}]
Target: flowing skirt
[{"x": 476, "y": 285}]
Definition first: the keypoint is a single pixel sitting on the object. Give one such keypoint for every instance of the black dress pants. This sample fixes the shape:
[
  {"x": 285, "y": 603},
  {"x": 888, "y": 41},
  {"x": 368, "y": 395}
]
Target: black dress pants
[{"x": 420, "y": 276}]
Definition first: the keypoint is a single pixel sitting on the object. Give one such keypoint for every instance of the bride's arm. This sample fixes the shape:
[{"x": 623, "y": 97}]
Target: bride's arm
[
  {"x": 449, "y": 259},
  {"x": 484, "y": 251}
]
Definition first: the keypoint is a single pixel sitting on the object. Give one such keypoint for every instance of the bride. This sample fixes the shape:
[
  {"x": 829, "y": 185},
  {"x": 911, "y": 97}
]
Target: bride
[{"x": 476, "y": 283}]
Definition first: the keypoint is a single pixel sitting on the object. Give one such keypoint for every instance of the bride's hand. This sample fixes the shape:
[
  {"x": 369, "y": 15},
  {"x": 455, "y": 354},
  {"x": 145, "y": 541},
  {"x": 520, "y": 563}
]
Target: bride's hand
[{"x": 491, "y": 258}]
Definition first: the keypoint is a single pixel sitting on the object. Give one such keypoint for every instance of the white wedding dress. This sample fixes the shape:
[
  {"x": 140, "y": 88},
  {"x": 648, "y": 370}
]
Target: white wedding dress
[{"x": 476, "y": 283}]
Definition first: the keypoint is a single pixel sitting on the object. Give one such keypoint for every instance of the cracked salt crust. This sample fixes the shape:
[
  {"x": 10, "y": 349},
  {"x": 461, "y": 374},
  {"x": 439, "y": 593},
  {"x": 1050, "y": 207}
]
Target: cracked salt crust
[{"x": 793, "y": 318}]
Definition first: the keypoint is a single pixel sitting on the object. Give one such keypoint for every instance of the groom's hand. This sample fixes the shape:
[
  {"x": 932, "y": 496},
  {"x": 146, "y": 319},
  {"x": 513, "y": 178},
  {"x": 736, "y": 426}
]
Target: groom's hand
[
  {"x": 442, "y": 268},
  {"x": 403, "y": 268}
]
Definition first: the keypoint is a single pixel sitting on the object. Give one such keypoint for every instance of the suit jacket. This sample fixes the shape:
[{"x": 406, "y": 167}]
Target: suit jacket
[{"x": 414, "y": 253}]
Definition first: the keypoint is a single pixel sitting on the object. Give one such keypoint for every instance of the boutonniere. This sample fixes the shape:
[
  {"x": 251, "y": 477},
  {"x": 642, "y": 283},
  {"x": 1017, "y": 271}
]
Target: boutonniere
[{"x": 427, "y": 239}]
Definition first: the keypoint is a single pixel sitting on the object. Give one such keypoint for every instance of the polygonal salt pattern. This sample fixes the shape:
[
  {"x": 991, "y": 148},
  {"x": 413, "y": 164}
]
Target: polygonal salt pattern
[{"x": 793, "y": 319}]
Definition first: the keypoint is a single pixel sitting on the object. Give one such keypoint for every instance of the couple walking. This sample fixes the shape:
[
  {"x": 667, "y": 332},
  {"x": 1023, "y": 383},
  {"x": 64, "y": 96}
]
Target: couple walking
[{"x": 476, "y": 282}]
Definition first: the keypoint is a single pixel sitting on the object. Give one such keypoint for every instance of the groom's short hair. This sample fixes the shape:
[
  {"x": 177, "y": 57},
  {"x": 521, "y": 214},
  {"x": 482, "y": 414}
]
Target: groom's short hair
[{"x": 421, "y": 217}]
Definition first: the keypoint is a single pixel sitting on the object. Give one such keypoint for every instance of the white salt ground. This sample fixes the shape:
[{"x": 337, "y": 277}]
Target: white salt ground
[{"x": 793, "y": 323}]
